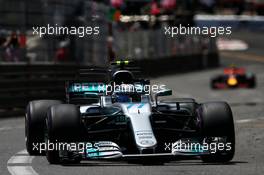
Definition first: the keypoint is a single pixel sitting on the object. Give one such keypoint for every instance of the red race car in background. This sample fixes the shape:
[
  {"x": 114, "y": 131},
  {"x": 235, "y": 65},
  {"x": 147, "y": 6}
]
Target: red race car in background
[{"x": 234, "y": 77}]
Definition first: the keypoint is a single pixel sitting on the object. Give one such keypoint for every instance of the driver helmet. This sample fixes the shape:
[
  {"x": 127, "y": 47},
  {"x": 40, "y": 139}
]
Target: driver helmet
[{"x": 122, "y": 93}]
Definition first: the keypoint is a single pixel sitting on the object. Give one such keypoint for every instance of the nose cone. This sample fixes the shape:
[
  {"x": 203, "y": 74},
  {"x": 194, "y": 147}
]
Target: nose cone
[{"x": 139, "y": 115}]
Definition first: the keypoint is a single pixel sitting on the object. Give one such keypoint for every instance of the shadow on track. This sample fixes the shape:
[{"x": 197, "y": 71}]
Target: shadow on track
[{"x": 128, "y": 163}]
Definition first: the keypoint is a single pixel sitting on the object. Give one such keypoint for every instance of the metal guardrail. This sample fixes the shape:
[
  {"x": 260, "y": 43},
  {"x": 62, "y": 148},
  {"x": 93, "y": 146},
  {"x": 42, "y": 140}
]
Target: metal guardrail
[{"x": 21, "y": 83}]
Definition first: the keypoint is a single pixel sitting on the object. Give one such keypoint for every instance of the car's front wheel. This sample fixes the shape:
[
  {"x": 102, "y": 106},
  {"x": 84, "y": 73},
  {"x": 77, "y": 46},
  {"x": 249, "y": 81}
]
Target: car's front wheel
[
  {"x": 63, "y": 126},
  {"x": 34, "y": 123},
  {"x": 217, "y": 128}
]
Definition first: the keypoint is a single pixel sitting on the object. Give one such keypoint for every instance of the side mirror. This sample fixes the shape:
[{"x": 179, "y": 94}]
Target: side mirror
[
  {"x": 165, "y": 92},
  {"x": 106, "y": 101},
  {"x": 161, "y": 93}
]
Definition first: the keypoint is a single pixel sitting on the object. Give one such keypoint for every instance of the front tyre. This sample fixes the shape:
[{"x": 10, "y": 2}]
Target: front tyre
[
  {"x": 34, "y": 123},
  {"x": 217, "y": 125},
  {"x": 63, "y": 125}
]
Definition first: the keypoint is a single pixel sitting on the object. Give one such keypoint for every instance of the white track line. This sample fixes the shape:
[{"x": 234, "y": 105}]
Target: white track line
[
  {"x": 245, "y": 121},
  {"x": 22, "y": 157},
  {"x": 5, "y": 128},
  {"x": 24, "y": 151},
  {"x": 11, "y": 128},
  {"x": 241, "y": 121},
  {"x": 21, "y": 170}
]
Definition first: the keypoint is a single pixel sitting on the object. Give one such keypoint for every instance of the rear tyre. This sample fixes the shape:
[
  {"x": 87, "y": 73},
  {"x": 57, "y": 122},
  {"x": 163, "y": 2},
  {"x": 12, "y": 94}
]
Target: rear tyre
[
  {"x": 34, "y": 123},
  {"x": 252, "y": 82},
  {"x": 212, "y": 83},
  {"x": 217, "y": 121},
  {"x": 63, "y": 124}
]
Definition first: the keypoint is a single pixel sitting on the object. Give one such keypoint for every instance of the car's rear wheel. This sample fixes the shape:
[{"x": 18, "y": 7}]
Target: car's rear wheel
[
  {"x": 63, "y": 125},
  {"x": 212, "y": 84},
  {"x": 252, "y": 82},
  {"x": 34, "y": 123},
  {"x": 217, "y": 126}
]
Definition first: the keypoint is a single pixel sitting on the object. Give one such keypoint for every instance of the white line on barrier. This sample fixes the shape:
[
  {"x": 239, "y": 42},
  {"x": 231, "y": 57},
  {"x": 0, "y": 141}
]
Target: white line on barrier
[
  {"x": 22, "y": 157},
  {"x": 229, "y": 17}
]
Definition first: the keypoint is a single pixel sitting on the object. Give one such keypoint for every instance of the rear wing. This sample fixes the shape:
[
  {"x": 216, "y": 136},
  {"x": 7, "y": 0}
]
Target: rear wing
[
  {"x": 93, "y": 75},
  {"x": 239, "y": 71}
]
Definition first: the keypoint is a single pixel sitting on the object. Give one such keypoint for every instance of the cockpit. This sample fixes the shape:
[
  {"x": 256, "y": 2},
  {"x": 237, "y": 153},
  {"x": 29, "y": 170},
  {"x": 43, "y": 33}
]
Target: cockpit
[{"x": 126, "y": 93}]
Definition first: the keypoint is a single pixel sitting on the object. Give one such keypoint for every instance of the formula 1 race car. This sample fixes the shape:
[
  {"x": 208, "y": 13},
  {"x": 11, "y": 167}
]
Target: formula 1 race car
[
  {"x": 234, "y": 78},
  {"x": 127, "y": 122}
]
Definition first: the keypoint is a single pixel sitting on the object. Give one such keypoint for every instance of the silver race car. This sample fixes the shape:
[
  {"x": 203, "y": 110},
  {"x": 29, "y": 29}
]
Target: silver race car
[{"x": 119, "y": 119}]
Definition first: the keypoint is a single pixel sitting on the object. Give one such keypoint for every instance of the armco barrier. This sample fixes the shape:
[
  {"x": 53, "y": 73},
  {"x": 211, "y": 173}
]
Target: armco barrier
[
  {"x": 179, "y": 64},
  {"x": 20, "y": 83}
]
